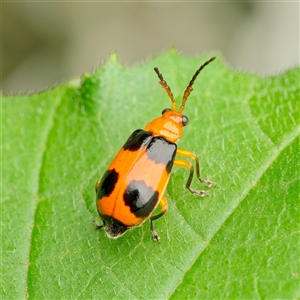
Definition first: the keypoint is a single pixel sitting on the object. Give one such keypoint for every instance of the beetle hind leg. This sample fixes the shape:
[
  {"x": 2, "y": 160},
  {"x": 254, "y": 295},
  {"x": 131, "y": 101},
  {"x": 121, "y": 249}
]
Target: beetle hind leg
[
  {"x": 164, "y": 207},
  {"x": 155, "y": 236}
]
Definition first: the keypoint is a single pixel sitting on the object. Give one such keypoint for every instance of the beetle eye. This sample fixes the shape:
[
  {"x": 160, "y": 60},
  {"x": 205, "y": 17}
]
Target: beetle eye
[
  {"x": 185, "y": 120},
  {"x": 164, "y": 110}
]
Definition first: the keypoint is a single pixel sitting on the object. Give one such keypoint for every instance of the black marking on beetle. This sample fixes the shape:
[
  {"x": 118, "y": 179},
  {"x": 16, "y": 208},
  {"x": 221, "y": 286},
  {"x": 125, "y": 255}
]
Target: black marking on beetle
[
  {"x": 170, "y": 164},
  {"x": 162, "y": 152},
  {"x": 140, "y": 198},
  {"x": 107, "y": 184},
  {"x": 113, "y": 227},
  {"x": 138, "y": 139}
]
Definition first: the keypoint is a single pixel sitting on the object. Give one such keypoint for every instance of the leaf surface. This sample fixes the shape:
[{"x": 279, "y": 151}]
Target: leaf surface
[{"x": 241, "y": 241}]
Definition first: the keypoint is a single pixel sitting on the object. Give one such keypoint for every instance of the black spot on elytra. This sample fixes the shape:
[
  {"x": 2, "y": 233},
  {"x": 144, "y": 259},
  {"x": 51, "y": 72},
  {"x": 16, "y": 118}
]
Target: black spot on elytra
[
  {"x": 140, "y": 198},
  {"x": 162, "y": 152},
  {"x": 107, "y": 183},
  {"x": 138, "y": 139}
]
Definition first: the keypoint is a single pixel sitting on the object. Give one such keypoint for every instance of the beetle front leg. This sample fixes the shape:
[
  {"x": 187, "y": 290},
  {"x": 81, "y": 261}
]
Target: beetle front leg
[{"x": 193, "y": 156}]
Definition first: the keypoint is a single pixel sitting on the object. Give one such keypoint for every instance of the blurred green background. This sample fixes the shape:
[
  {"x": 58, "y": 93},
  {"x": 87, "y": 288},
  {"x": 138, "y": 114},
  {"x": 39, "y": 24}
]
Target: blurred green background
[{"x": 44, "y": 43}]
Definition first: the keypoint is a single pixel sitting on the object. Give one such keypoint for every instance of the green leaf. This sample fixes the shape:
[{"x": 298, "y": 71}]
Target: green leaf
[{"x": 241, "y": 241}]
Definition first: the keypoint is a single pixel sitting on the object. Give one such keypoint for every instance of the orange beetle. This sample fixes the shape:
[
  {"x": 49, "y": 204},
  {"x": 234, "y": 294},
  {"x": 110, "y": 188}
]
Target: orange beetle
[{"x": 135, "y": 182}]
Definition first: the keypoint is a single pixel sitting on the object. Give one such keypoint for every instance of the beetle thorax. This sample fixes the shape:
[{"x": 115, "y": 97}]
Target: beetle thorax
[{"x": 169, "y": 126}]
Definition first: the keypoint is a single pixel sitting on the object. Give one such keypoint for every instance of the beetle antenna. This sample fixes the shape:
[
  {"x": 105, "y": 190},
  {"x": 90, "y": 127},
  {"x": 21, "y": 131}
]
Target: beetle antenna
[
  {"x": 189, "y": 88},
  {"x": 165, "y": 86}
]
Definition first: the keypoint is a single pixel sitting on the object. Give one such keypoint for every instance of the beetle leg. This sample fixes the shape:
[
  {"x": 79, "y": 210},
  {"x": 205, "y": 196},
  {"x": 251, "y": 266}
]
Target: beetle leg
[
  {"x": 193, "y": 156},
  {"x": 97, "y": 185},
  {"x": 164, "y": 207},
  {"x": 97, "y": 226},
  {"x": 183, "y": 163}
]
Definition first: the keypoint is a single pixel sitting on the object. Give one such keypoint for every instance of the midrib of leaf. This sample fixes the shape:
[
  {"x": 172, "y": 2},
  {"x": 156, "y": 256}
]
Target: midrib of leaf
[
  {"x": 273, "y": 155},
  {"x": 51, "y": 125}
]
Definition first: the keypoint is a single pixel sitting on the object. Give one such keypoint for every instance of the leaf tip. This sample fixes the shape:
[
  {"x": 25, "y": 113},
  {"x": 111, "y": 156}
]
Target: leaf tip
[
  {"x": 173, "y": 50},
  {"x": 113, "y": 58}
]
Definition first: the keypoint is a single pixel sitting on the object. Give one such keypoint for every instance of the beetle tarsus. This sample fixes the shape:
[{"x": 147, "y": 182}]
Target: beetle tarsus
[
  {"x": 97, "y": 227},
  {"x": 155, "y": 236},
  {"x": 207, "y": 182},
  {"x": 154, "y": 233},
  {"x": 200, "y": 193},
  {"x": 97, "y": 185}
]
